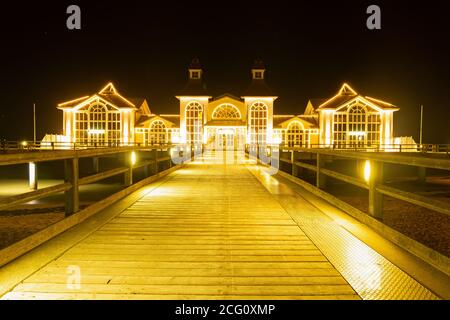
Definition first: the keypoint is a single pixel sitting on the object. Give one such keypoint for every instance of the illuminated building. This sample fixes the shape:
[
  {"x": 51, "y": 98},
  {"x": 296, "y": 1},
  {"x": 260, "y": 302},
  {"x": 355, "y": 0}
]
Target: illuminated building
[{"x": 347, "y": 119}]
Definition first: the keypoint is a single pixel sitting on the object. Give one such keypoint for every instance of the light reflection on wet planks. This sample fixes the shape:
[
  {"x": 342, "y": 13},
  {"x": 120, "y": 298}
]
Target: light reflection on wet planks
[{"x": 209, "y": 232}]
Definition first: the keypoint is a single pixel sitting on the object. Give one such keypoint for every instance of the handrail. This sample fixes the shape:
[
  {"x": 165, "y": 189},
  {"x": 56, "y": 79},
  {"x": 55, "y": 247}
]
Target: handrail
[
  {"x": 15, "y": 200},
  {"x": 72, "y": 179},
  {"x": 375, "y": 184}
]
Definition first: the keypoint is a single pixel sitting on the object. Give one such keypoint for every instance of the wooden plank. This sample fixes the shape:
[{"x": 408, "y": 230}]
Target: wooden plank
[
  {"x": 176, "y": 242},
  {"x": 190, "y": 289},
  {"x": 188, "y": 272},
  {"x": 93, "y": 296},
  {"x": 218, "y": 280},
  {"x": 194, "y": 257}
]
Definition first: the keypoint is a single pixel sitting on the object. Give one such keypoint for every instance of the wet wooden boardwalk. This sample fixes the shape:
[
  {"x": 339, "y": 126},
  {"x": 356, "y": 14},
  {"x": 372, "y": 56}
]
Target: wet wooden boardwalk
[{"x": 207, "y": 231}]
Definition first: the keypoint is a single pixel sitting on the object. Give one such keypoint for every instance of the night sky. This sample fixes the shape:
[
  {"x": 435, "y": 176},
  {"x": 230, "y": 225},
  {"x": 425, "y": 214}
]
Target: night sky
[{"x": 309, "y": 47}]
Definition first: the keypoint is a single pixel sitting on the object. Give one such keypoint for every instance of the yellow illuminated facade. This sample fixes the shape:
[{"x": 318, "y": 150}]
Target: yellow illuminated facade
[{"x": 347, "y": 119}]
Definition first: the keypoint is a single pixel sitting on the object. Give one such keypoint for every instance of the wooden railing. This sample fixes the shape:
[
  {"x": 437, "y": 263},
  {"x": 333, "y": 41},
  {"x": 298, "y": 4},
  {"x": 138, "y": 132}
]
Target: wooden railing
[
  {"x": 157, "y": 157},
  {"x": 374, "y": 183}
]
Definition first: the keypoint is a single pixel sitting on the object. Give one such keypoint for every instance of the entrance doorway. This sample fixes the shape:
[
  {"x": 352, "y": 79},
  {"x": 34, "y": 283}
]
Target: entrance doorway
[{"x": 226, "y": 139}]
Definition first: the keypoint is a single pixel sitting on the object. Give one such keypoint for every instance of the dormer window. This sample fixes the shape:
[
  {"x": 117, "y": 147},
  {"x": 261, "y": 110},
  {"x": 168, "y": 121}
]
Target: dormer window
[
  {"x": 195, "y": 74},
  {"x": 258, "y": 74}
]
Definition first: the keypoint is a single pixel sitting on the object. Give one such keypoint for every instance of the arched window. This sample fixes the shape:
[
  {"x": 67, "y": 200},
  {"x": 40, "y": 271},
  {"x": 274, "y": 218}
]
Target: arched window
[
  {"x": 258, "y": 123},
  {"x": 194, "y": 123},
  {"x": 157, "y": 133},
  {"x": 295, "y": 134},
  {"x": 97, "y": 123},
  {"x": 226, "y": 111},
  {"x": 357, "y": 125}
]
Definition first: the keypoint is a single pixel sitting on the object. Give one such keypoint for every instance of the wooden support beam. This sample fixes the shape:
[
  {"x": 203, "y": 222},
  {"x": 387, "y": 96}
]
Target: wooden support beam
[
  {"x": 102, "y": 175},
  {"x": 95, "y": 164},
  {"x": 416, "y": 199},
  {"x": 32, "y": 176},
  {"x": 308, "y": 166},
  {"x": 422, "y": 174},
  {"x": 12, "y": 201},
  {"x": 128, "y": 176},
  {"x": 154, "y": 166},
  {"x": 321, "y": 179},
  {"x": 375, "y": 198},
  {"x": 294, "y": 169},
  {"x": 72, "y": 201},
  {"x": 343, "y": 177}
]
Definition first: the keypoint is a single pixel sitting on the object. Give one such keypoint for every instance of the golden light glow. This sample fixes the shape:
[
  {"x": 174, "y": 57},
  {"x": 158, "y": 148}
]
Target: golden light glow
[
  {"x": 133, "y": 158},
  {"x": 96, "y": 131},
  {"x": 380, "y": 101},
  {"x": 109, "y": 86},
  {"x": 367, "y": 171},
  {"x": 24, "y": 143},
  {"x": 344, "y": 87},
  {"x": 72, "y": 101},
  {"x": 31, "y": 174},
  {"x": 175, "y": 138},
  {"x": 357, "y": 133}
]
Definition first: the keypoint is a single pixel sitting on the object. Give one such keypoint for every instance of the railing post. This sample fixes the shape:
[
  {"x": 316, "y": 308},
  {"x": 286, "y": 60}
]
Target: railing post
[
  {"x": 375, "y": 198},
  {"x": 128, "y": 176},
  {"x": 32, "y": 176},
  {"x": 422, "y": 174},
  {"x": 95, "y": 164},
  {"x": 72, "y": 201},
  {"x": 294, "y": 170},
  {"x": 321, "y": 180},
  {"x": 154, "y": 168}
]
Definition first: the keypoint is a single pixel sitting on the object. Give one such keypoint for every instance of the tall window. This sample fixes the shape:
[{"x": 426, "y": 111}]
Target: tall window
[
  {"x": 157, "y": 132},
  {"x": 373, "y": 129},
  {"x": 81, "y": 127},
  {"x": 226, "y": 111},
  {"x": 294, "y": 134},
  {"x": 97, "y": 124},
  {"x": 194, "y": 125},
  {"x": 357, "y": 125},
  {"x": 340, "y": 129},
  {"x": 114, "y": 129},
  {"x": 258, "y": 123}
]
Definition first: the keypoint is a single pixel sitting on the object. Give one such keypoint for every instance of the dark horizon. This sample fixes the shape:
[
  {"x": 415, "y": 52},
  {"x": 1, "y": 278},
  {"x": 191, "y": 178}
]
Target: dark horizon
[{"x": 309, "y": 51}]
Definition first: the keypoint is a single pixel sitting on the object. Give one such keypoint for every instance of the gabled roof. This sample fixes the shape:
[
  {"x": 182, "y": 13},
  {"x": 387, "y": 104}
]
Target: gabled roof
[
  {"x": 312, "y": 105},
  {"x": 172, "y": 121},
  {"x": 346, "y": 94},
  {"x": 278, "y": 119},
  {"x": 107, "y": 93},
  {"x": 284, "y": 121},
  {"x": 226, "y": 95}
]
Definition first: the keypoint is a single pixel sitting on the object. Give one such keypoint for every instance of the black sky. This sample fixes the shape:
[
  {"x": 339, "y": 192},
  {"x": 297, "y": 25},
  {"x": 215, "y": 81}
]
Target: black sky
[{"x": 309, "y": 48}]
